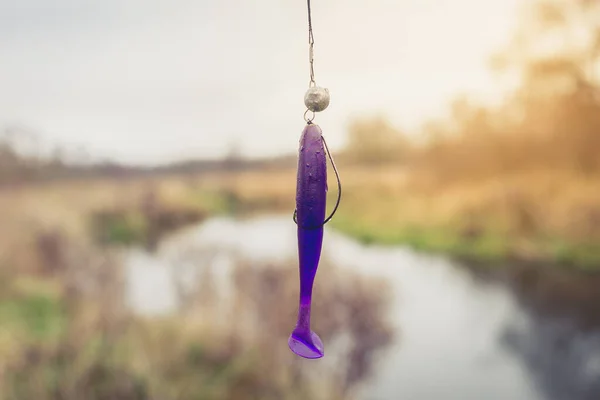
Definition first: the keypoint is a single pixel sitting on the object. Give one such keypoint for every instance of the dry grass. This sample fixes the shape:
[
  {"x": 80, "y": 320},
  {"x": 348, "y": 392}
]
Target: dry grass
[
  {"x": 534, "y": 214},
  {"x": 542, "y": 214},
  {"x": 539, "y": 215}
]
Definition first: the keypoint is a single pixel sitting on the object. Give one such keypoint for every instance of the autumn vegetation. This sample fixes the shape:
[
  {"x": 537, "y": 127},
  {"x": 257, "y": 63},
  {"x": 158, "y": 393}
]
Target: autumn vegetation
[{"x": 517, "y": 180}]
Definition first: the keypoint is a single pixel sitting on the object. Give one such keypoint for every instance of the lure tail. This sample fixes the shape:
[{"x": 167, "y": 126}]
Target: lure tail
[{"x": 311, "y": 196}]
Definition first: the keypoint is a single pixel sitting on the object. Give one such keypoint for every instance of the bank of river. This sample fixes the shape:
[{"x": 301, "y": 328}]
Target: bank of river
[{"x": 485, "y": 247}]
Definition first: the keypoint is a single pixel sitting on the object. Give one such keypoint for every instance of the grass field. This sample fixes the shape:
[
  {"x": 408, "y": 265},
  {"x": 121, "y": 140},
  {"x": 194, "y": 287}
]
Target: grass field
[
  {"x": 535, "y": 216},
  {"x": 538, "y": 216}
]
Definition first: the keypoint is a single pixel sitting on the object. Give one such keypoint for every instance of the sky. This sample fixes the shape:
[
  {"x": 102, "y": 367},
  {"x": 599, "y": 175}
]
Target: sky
[{"x": 153, "y": 81}]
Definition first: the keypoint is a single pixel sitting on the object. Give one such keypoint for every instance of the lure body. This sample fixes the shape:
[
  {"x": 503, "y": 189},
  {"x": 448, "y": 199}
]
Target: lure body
[{"x": 311, "y": 197}]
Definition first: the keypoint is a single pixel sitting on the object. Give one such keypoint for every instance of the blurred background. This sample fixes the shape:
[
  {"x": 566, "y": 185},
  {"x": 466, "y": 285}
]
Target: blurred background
[{"x": 147, "y": 183}]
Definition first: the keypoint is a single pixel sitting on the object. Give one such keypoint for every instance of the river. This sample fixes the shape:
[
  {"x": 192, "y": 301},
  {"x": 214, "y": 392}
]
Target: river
[{"x": 462, "y": 338}]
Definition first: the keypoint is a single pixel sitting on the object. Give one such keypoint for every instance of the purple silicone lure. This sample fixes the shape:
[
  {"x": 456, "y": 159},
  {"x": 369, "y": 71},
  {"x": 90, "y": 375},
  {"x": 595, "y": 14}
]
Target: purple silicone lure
[{"x": 311, "y": 196}]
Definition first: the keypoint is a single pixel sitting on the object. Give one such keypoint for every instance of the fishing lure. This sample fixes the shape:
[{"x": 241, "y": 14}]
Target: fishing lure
[{"x": 311, "y": 201}]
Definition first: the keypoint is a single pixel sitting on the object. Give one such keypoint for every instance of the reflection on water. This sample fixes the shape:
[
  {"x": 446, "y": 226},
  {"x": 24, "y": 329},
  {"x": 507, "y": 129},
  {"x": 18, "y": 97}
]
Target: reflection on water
[
  {"x": 563, "y": 359},
  {"x": 451, "y": 327}
]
